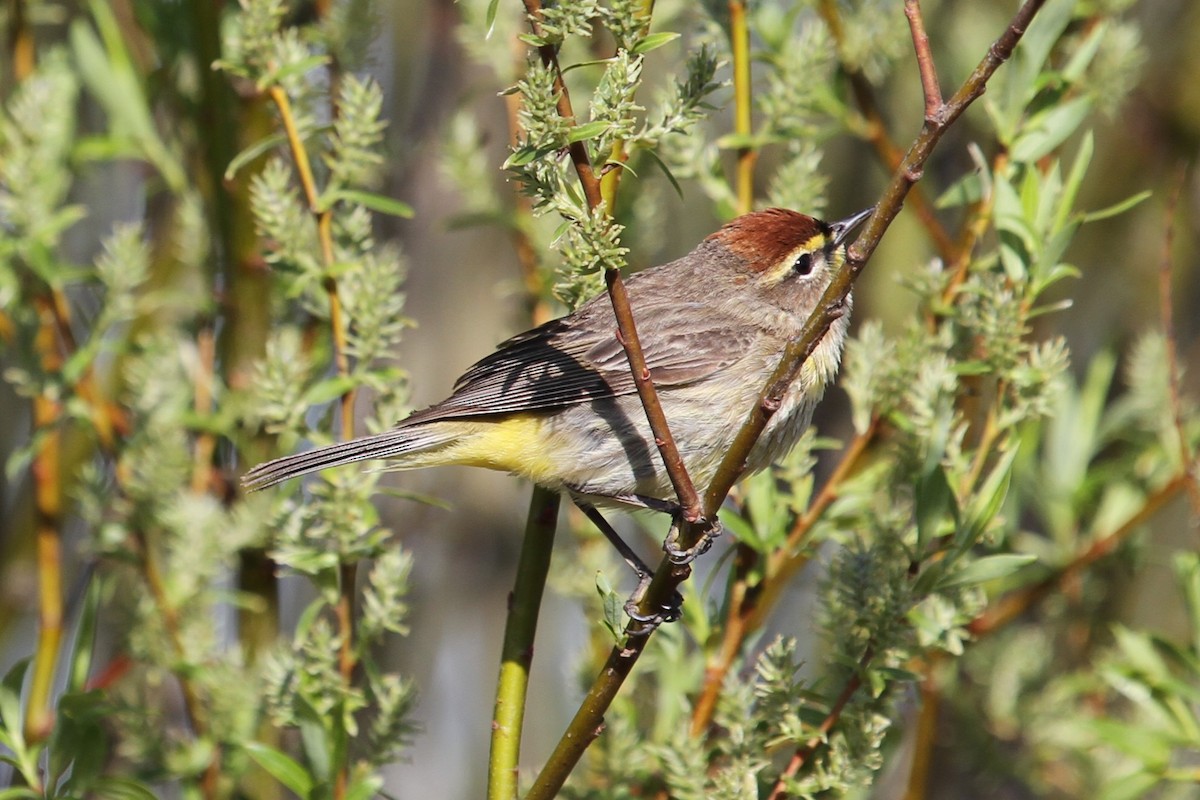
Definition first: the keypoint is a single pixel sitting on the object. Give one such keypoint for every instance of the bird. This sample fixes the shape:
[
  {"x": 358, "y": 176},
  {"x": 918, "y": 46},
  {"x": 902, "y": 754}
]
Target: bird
[{"x": 558, "y": 404}]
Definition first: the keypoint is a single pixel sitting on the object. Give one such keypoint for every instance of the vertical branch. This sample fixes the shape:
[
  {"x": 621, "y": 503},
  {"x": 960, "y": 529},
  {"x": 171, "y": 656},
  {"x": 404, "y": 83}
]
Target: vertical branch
[
  {"x": 1166, "y": 315},
  {"x": 20, "y": 40},
  {"x": 689, "y": 499},
  {"x": 193, "y": 704},
  {"x": 520, "y": 629},
  {"x": 743, "y": 124},
  {"x": 347, "y": 571},
  {"x": 926, "y": 735},
  {"x": 324, "y": 220},
  {"x": 929, "y": 79},
  {"x": 577, "y": 150},
  {"x": 47, "y": 478}
]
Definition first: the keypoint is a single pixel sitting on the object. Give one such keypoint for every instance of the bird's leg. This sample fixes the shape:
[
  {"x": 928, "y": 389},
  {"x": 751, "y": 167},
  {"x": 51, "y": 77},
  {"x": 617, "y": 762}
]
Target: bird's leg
[
  {"x": 670, "y": 611},
  {"x": 710, "y": 529}
]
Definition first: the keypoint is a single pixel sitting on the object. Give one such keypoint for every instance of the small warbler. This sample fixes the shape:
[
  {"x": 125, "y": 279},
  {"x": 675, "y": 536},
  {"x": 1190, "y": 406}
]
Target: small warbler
[{"x": 557, "y": 404}]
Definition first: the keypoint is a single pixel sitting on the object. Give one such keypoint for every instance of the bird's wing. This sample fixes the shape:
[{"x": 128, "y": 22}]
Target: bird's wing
[{"x": 578, "y": 359}]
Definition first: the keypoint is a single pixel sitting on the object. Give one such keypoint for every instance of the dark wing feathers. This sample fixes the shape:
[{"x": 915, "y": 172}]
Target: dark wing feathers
[{"x": 578, "y": 359}]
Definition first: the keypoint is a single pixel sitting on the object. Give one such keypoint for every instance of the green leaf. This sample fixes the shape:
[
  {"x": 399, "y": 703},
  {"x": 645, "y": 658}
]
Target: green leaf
[
  {"x": 966, "y": 190},
  {"x": 1070, "y": 190},
  {"x": 371, "y": 200},
  {"x": 490, "y": 17},
  {"x": 252, "y": 152},
  {"x": 329, "y": 389},
  {"x": 988, "y": 568},
  {"x": 1116, "y": 208},
  {"x": 17, "y": 792},
  {"x": 614, "y": 618},
  {"x": 1128, "y": 787},
  {"x": 665, "y": 170},
  {"x": 298, "y": 68},
  {"x": 589, "y": 130},
  {"x": 1048, "y": 129},
  {"x": 654, "y": 41},
  {"x": 986, "y": 501},
  {"x": 281, "y": 767},
  {"x": 364, "y": 788},
  {"x": 121, "y": 789},
  {"x": 78, "y": 742},
  {"x": 522, "y": 156},
  {"x": 107, "y": 69},
  {"x": 934, "y": 503},
  {"x": 10, "y": 697}
]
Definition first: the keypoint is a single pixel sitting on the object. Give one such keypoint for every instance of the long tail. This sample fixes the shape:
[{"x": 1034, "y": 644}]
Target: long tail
[{"x": 389, "y": 444}]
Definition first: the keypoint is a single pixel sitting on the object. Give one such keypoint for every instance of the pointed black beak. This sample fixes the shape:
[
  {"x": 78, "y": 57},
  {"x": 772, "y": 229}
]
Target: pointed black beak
[{"x": 844, "y": 227}]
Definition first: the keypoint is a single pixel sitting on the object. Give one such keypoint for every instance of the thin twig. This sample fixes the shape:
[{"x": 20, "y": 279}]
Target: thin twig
[
  {"x": 876, "y": 133},
  {"x": 801, "y": 756},
  {"x": 748, "y": 606},
  {"x": 1013, "y": 605},
  {"x": 324, "y": 221},
  {"x": 47, "y": 481},
  {"x": 347, "y": 571},
  {"x": 685, "y": 490},
  {"x": 929, "y": 78},
  {"x": 1166, "y": 315},
  {"x": 588, "y": 719},
  {"x": 926, "y": 734},
  {"x": 577, "y": 150},
  {"x": 627, "y": 335}
]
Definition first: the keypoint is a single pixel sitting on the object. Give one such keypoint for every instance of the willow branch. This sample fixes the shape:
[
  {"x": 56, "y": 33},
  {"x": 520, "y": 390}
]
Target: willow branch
[
  {"x": 577, "y": 150},
  {"x": 929, "y": 78},
  {"x": 748, "y": 604},
  {"x": 347, "y": 571},
  {"x": 627, "y": 335},
  {"x": 1013, "y": 605},
  {"x": 324, "y": 221},
  {"x": 1166, "y": 315},
  {"x": 876, "y": 134},
  {"x": 520, "y": 628},
  {"x": 833, "y": 304},
  {"x": 802, "y": 755},
  {"x": 743, "y": 123},
  {"x": 48, "y": 496}
]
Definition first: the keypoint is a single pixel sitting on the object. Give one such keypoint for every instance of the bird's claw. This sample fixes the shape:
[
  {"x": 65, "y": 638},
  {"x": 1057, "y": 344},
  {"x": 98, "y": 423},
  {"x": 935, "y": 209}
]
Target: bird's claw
[
  {"x": 648, "y": 623},
  {"x": 686, "y": 555}
]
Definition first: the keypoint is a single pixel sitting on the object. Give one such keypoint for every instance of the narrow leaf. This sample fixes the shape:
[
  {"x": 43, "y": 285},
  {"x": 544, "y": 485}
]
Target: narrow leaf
[
  {"x": 252, "y": 152},
  {"x": 281, "y": 767},
  {"x": 654, "y": 41},
  {"x": 589, "y": 130},
  {"x": 987, "y": 568},
  {"x": 371, "y": 200}
]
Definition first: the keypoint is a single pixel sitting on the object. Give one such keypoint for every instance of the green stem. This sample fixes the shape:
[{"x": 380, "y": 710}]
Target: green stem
[
  {"x": 519, "y": 632},
  {"x": 743, "y": 124}
]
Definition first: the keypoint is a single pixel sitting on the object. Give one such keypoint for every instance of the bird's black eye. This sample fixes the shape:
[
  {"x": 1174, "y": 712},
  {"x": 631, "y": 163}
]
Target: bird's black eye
[{"x": 804, "y": 264}]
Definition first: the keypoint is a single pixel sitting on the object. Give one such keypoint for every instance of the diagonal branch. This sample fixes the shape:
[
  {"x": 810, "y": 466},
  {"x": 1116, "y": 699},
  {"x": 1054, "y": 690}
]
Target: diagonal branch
[
  {"x": 627, "y": 335},
  {"x": 588, "y": 720}
]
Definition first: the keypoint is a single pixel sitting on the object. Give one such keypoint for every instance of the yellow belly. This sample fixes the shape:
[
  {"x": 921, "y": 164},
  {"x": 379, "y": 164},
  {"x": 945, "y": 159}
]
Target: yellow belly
[{"x": 513, "y": 444}]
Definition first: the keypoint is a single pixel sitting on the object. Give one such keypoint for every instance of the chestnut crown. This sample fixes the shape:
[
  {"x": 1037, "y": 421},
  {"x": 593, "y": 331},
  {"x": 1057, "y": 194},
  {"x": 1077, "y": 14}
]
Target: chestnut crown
[{"x": 778, "y": 241}]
